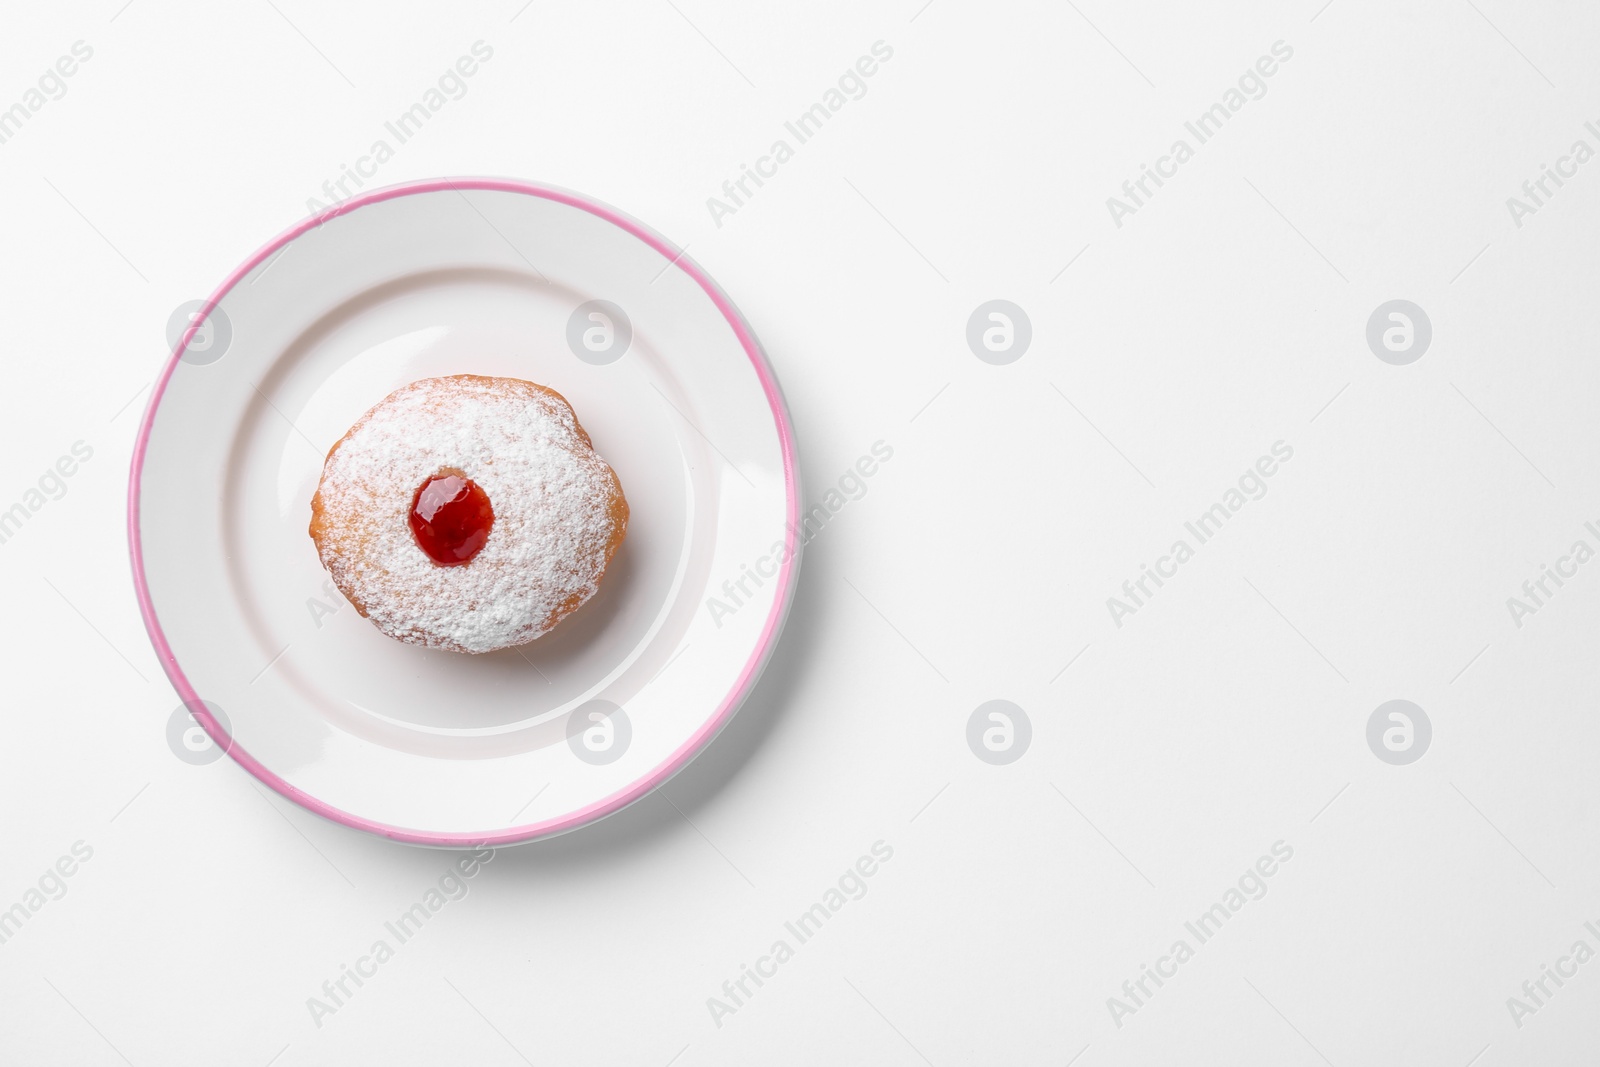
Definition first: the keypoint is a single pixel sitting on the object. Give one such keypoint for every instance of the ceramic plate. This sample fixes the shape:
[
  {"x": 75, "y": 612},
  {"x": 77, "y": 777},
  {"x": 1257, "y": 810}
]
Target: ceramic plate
[{"x": 446, "y": 277}]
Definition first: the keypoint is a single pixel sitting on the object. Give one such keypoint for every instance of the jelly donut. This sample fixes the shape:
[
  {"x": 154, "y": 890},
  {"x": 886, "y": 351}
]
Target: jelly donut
[{"x": 467, "y": 513}]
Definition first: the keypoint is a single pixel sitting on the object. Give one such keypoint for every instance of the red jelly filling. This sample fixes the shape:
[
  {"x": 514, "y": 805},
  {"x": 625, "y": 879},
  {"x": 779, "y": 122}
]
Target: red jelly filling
[{"x": 451, "y": 517}]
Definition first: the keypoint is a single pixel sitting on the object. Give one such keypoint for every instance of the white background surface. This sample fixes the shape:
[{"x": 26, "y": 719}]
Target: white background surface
[{"x": 1228, "y": 714}]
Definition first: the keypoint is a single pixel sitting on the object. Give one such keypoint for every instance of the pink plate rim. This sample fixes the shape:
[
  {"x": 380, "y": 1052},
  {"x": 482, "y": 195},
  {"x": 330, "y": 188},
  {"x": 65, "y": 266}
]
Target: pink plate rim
[{"x": 708, "y": 730}]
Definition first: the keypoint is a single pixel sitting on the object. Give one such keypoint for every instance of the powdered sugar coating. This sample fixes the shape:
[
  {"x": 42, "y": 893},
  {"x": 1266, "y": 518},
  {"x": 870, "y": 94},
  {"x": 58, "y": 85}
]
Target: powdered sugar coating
[{"x": 559, "y": 513}]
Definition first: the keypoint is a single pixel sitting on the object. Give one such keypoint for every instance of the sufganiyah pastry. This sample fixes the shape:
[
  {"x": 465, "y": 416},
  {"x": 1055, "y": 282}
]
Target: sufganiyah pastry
[{"x": 467, "y": 513}]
